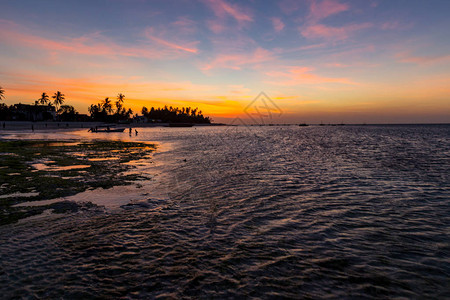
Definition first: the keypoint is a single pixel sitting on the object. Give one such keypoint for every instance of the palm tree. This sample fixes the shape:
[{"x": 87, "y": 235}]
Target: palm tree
[
  {"x": 129, "y": 113},
  {"x": 44, "y": 99},
  {"x": 120, "y": 97},
  {"x": 106, "y": 104},
  {"x": 119, "y": 102},
  {"x": 67, "y": 109},
  {"x": 2, "y": 93},
  {"x": 59, "y": 99},
  {"x": 94, "y": 109}
]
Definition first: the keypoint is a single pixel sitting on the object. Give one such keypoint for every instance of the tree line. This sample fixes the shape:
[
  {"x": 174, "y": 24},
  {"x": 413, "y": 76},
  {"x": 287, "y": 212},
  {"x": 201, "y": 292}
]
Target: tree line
[
  {"x": 109, "y": 111},
  {"x": 63, "y": 111},
  {"x": 175, "y": 115},
  {"x": 106, "y": 111}
]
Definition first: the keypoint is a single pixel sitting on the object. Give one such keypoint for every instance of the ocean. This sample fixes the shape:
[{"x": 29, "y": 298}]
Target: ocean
[{"x": 251, "y": 212}]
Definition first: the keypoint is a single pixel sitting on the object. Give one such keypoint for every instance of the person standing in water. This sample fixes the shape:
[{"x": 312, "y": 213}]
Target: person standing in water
[
  {"x": 130, "y": 130},
  {"x": 136, "y": 131}
]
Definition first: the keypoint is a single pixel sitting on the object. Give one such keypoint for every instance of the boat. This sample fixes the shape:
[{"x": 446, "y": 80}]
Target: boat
[
  {"x": 106, "y": 128},
  {"x": 110, "y": 130}
]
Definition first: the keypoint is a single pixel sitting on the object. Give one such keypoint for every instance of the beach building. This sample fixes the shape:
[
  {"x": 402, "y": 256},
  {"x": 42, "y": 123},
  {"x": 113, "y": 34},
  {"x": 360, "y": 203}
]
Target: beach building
[{"x": 26, "y": 112}]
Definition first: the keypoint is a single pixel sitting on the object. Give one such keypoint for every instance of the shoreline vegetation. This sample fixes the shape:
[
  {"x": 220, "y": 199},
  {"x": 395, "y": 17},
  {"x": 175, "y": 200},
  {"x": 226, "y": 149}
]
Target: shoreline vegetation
[
  {"x": 106, "y": 111},
  {"x": 43, "y": 170}
]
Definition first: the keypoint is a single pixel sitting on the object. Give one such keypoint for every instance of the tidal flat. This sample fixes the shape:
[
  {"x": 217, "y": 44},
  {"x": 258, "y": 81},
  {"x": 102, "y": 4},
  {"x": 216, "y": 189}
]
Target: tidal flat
[{"x": 33, "y": 170}]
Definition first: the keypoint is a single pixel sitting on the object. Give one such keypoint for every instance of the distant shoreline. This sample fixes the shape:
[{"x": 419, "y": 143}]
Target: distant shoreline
[
  {"x": 52, "y": 125},
  {"x": 42, "y": 125}
]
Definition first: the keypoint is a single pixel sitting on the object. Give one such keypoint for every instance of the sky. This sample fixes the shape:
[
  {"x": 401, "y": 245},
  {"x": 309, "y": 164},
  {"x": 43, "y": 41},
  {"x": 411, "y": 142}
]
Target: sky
[{"x": 354, "y": 61}]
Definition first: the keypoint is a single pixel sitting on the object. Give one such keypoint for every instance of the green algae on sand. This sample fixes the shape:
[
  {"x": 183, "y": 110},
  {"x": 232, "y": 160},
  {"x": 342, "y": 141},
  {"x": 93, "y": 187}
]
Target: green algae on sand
[{"x": 40, "y": 170}]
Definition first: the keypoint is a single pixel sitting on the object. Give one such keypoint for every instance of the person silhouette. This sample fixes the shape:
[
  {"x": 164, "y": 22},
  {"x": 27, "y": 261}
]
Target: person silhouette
[{"x": 136, "y": 131}]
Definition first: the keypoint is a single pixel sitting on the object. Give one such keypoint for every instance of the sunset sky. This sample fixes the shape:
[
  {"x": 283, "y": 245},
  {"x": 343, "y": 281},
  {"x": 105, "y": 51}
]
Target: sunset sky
[{"x": 374, "y": 61}]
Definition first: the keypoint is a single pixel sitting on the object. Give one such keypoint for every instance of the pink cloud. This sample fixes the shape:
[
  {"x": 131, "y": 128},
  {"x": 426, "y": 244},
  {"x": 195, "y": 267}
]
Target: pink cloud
[
  {"x": 301, "y": 48},
  {"x": 320, "y": 31},
  {"x": 238, "y": 61},
  {"x": 185, "y": 25},
  {"x": 190, "y": 49},
  {"x": 337, "y": 65},
  {"x": 184, "y": 22},
  {"x": 395, "y": 25},
  {"x": 278, "y": 25},
  {"x": 291, "y": 76},
  {"x": 91, "y": 45},
  {"x": 320, "y": 10},
  {"x": 222, "y": 9},
  {"x": 216, "y": 26},
  {"x": 407, "y": 57},
  {"x": 289, "y": 7}
]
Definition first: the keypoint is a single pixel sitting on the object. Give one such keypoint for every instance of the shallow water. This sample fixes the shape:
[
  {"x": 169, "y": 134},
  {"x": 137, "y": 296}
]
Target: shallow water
[{"x": 337, "y": 212}]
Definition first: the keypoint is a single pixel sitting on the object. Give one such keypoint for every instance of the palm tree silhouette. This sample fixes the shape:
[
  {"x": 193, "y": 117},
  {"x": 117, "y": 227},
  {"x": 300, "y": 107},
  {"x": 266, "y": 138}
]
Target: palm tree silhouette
[
  {"x": 119, "y": 102},
  {"x": 2, "y": 93},
  {"x": 59, "y": 99},
  {"x": 44, "y": 99},
  {"x": 106, "y": 104}
]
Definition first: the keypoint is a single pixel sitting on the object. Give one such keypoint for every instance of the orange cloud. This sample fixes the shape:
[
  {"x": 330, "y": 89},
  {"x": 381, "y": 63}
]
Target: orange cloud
[
  {"x": 238, "y": 89},
  {"x": 407, "y": 57}
]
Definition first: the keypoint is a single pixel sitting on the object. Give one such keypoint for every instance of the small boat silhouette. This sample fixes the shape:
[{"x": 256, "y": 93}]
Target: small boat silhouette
[{"x": 106, "y": 128}]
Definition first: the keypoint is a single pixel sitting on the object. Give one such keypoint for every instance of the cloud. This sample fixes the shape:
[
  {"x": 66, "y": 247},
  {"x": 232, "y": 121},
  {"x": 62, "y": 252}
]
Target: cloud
[
  {"x": 395, "y": 25},
  {"x": 225, "y": 11},
  {"x": 320, "y": 31},
  {"x": 94, "y": 44},
  {"x": 149, "y": 33},
  {"x": 337, "y": 65},
  {"x": 85, "y": 45},
  {"x": 216, "y": 26},
  {"x": 237, "y": 61},
  {"x": 407, "y": 57},
  {"x": 291, "y": 76},
  {"x": 185, "y": 25},
  {"x": 238, "y": 89},
  {"x": 278, "y": 25},
  {"x": 289, "y": 7},
  {"x": 320, "y": 10},
  {"x": 222, "y": 9}
]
